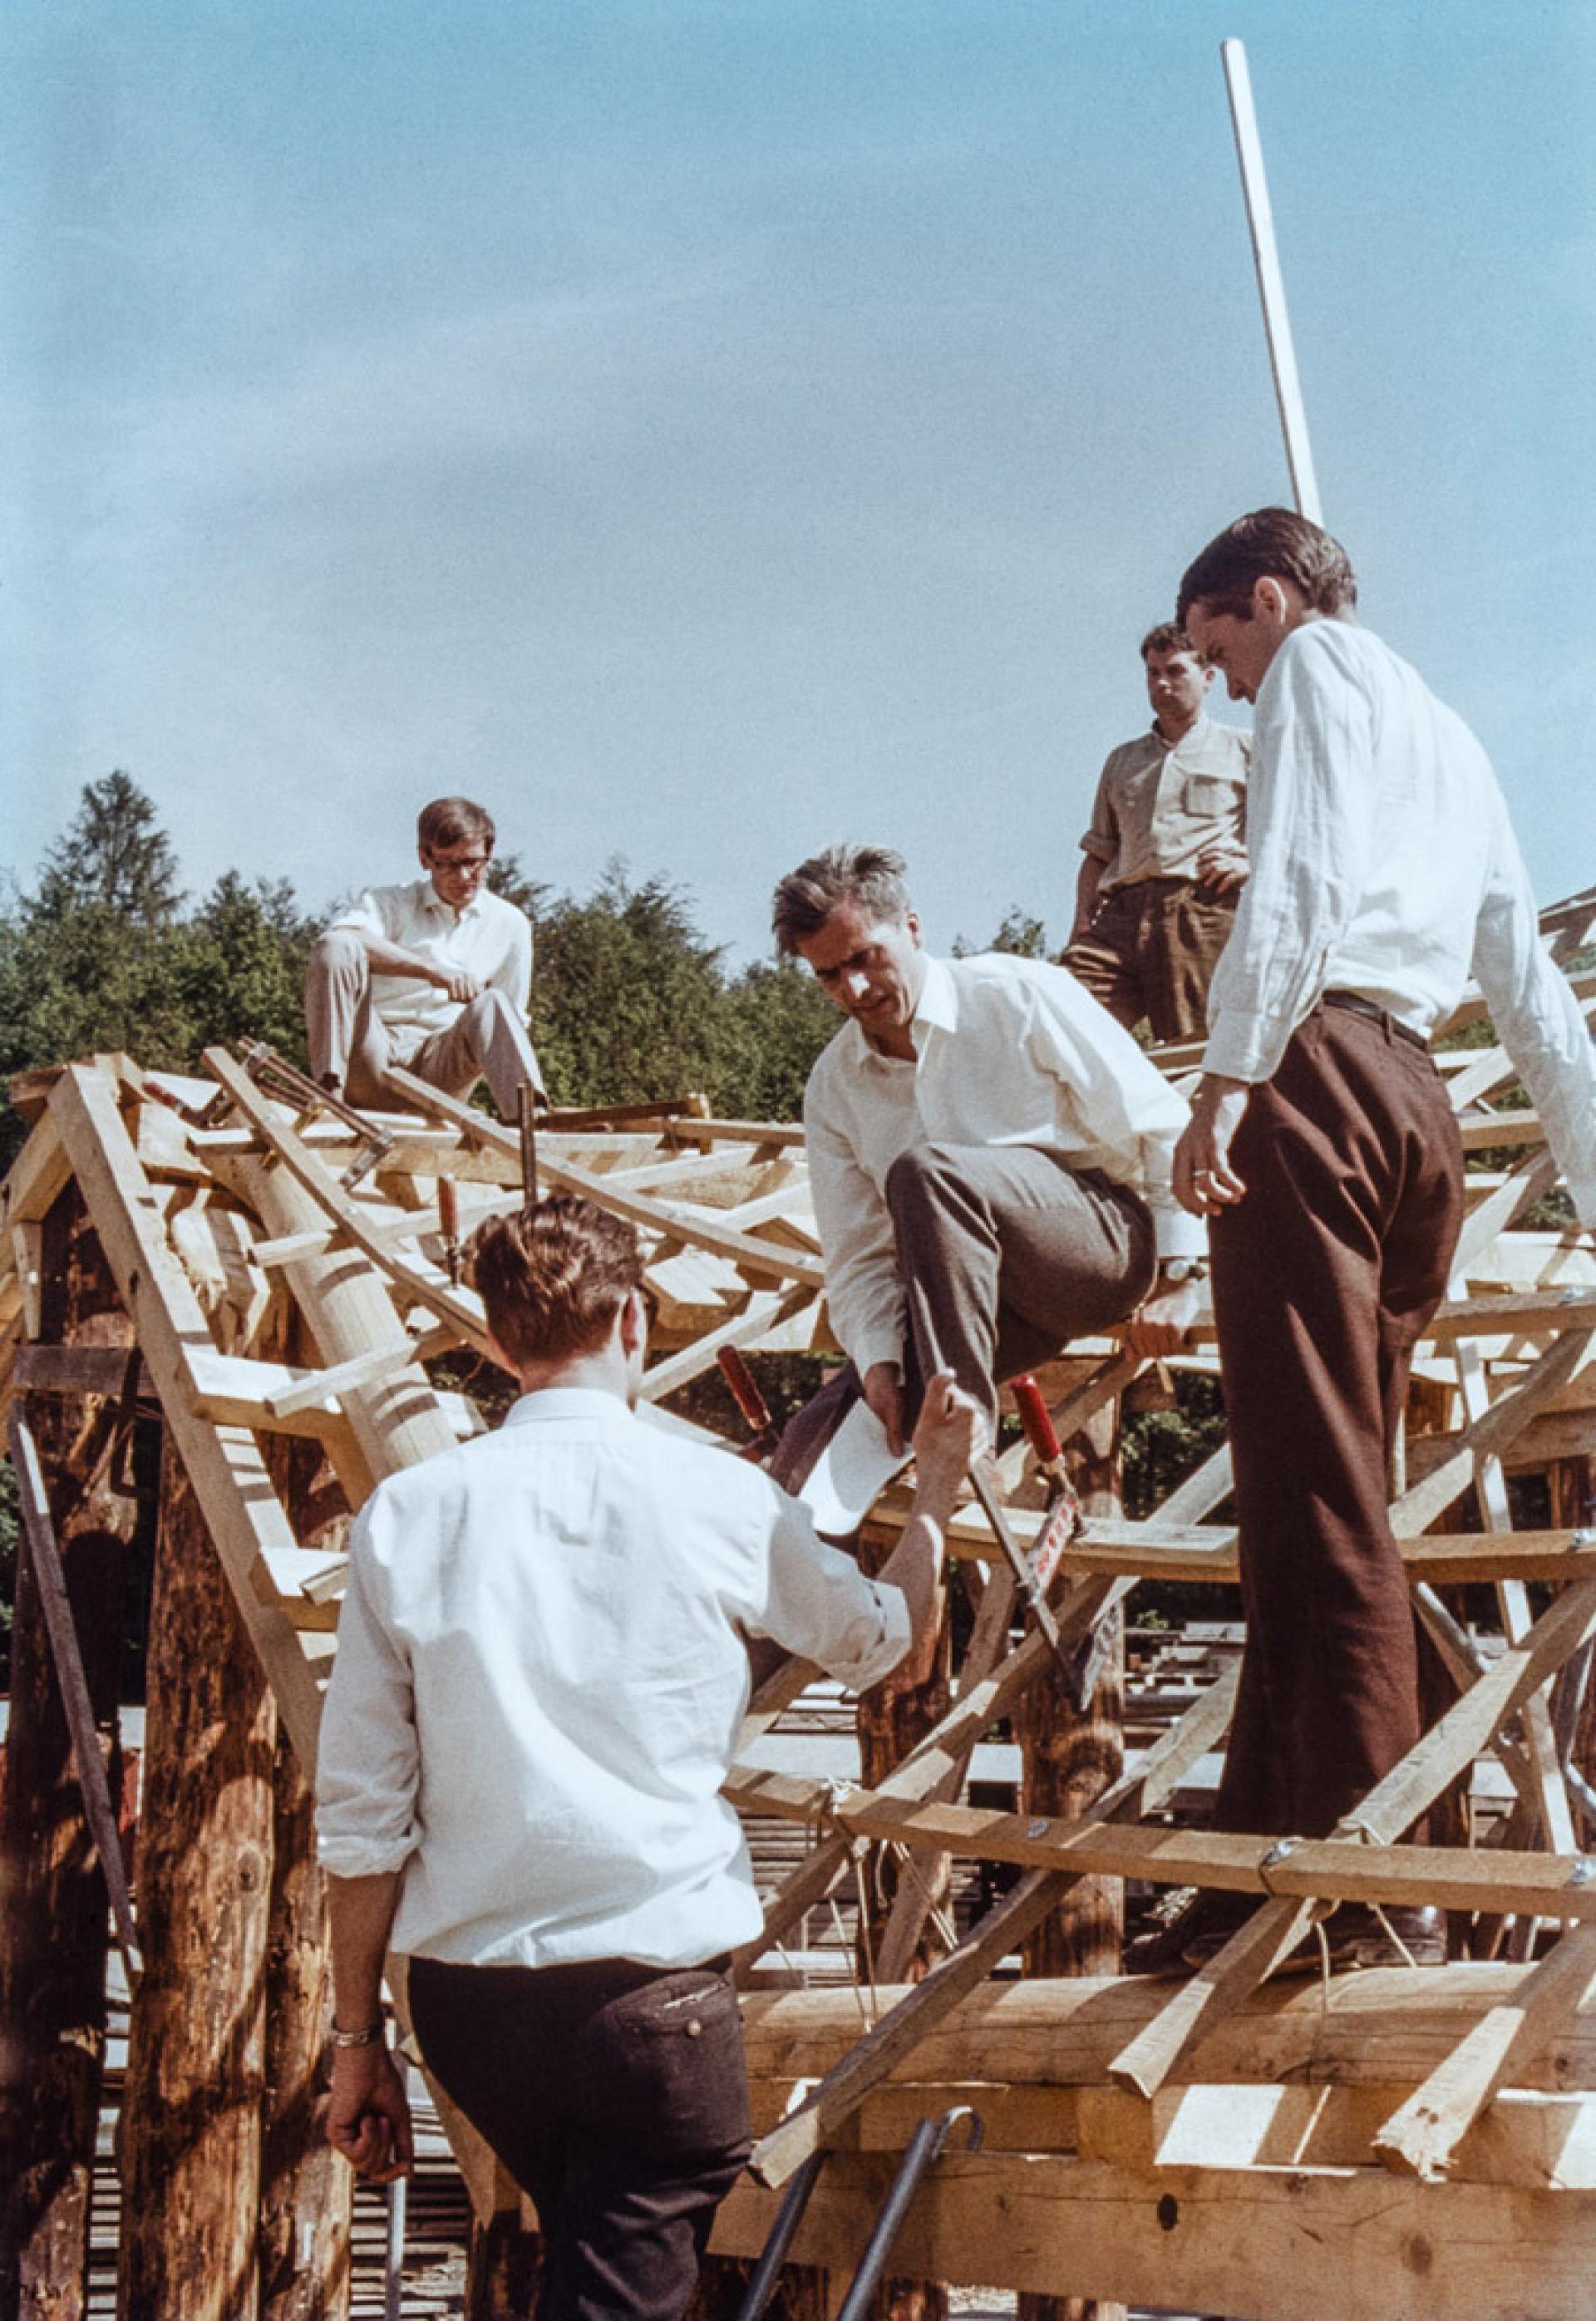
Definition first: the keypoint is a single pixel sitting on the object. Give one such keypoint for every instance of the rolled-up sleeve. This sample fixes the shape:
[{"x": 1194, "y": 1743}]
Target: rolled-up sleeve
[
  {"x": 864, "y": 1288},
  {"x": 1100, "y": 838},
  {"x": 1121, "y": 1105},
  {"x": 819, "y": 1605},
  {"x": 368, "y": 1763}
]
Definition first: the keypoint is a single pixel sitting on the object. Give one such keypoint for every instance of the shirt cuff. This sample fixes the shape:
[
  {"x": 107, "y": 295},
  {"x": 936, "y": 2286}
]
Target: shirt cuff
[
  {"x": 877, "y": 1345},
  {"x": 1246, "y": 1047},
  {"x": 1102, "y": 850},
  {"x": 362, "y": 1857},
  {"x": 1177, "y": 1233},
  {"x": 877, "y": 1658}
]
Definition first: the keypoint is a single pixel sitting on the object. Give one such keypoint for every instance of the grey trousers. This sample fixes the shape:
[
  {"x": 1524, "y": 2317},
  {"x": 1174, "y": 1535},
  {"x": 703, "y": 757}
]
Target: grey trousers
[
  {"x": 1006, "y": 1253},
  {"x": 350, "y": 1042}
]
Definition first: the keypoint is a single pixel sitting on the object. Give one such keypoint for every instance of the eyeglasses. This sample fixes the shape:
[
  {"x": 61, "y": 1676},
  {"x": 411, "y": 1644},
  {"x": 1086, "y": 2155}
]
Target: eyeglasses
[{"x": 459, "y": 861}]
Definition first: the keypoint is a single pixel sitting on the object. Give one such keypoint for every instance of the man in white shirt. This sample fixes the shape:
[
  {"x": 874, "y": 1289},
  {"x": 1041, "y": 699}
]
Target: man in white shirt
[
  {"x": 435, "y": 976},
  {"x": 542, "y": 1671},
  {"x": 1324, "y": 1151},
  {"x": 1164, "y": 857},
  {"x": 989, "y": 1152}
]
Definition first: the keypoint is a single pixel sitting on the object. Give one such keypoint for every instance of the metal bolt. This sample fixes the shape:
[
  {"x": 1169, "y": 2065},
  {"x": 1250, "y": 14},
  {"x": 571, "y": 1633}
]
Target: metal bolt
[{"x": 1038, "y": 1828}]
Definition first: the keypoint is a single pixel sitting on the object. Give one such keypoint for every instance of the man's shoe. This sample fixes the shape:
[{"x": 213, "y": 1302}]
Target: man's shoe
[
  {"x": 1356, "y": 1935},
  {"x": 1198, "y": 1923}
]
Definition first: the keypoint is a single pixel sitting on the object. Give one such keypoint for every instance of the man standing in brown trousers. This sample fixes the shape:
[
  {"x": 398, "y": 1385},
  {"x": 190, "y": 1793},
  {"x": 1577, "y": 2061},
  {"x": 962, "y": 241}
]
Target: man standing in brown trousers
[
  {"x": 1164, "y": 860},
  {"x": 1324, "y": 1152}
]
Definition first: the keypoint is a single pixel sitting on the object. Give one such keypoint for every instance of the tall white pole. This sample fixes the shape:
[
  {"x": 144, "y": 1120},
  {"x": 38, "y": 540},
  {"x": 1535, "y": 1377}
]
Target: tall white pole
[{"x": 1271, "y": 288}]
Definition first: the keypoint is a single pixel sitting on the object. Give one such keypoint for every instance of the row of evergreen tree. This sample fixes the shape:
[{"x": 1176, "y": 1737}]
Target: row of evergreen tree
[{"x": 106, "y": 952}]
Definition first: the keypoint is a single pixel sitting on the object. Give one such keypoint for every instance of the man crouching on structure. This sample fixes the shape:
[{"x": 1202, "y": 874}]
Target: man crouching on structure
[
  {"x": 541, "y": 1674},
  {"x": 990, "y": 1151}
]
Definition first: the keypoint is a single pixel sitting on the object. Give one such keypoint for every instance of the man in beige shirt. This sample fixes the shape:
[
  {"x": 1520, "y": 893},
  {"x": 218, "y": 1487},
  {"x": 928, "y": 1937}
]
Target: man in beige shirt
[
  {"x": 435, "y": 976},
  {"x": 1164, "y": 858}
]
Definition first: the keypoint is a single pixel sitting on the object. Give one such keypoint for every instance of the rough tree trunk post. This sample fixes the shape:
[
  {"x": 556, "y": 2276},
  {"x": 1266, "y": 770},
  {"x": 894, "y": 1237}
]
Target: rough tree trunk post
[
  {"x": 307, "y": 2190},
  {"x": 889, "y": 1724},
  {"x": 53, "y": 1907},
  {"x": 191, "y": 2126},
  {"x": 1067, "y": 1760}
]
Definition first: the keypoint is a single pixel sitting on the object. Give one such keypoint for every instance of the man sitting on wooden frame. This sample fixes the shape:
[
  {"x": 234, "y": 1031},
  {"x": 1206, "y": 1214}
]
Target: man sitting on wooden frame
[
  {"x": 542, "y": 1671},
  {"x": 989, "y": 1152},
  {"x": 433, "y": 975}
]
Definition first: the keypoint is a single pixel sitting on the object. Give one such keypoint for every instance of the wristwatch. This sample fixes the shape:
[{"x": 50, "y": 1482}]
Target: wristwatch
[{"x": 1180, "y": 1269}]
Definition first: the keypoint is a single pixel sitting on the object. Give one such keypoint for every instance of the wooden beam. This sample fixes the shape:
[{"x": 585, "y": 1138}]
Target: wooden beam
[
  {"x": 678, "y": 1223},
  {"x": 1423, "y": 2137},
  {"x": 896, "y": 2035},
  {"x": 1289, "y": 2243},
  {"x": 242, "y": 1512}
]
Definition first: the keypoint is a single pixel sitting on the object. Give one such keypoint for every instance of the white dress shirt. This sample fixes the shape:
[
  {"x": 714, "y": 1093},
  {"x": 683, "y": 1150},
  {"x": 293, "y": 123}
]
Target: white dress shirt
[
  {"x": 540, "y": 1679},
  {"x": 1007, "y": 1050},
  {"x": 1384, "y": 863},
  {"x": 1160, "y": 805},
  {"x": 490, "y": 939}
]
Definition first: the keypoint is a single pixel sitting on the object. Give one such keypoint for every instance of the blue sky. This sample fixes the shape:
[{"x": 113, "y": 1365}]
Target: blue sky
[{"x": 709, "y": 429}]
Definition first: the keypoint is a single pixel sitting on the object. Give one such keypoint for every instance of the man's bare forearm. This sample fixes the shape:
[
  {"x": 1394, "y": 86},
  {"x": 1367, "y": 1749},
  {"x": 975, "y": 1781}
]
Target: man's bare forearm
[
  {"x": 361, "y": 1919},
  {"x": 384, "y": 958}
]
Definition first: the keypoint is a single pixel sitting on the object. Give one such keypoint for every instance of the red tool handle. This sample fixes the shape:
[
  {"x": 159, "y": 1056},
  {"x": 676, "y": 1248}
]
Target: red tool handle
[
  {"x": 448, "y": 1208},
  {"x": 745, "y": 1389},
  {"x": 1037, "y": 1419}
]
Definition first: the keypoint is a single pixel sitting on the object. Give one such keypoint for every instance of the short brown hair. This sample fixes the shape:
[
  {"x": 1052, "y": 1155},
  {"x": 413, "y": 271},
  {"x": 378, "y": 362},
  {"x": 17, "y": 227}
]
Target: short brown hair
[
  {"x": 1168, "y": 637},
  {"x": 869, "y": 876},
  {"x": 1272, "y": 544},
  {"x": 554, "y": 1276},
  {"x": 453, "y": 822}
]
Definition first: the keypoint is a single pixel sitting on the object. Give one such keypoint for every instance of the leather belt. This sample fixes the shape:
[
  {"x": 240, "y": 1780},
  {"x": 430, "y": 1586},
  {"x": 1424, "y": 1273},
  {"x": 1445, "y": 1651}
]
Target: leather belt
[{"x": 1356, "y": 1003}]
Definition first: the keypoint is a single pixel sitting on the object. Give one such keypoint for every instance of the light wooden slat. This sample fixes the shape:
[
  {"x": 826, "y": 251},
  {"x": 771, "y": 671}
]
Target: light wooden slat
[
  {"x": 673, "y": 1219},
  {"x": 840, "y": 2093},
  {"x": 242, "y": 1509},
  {"x": 1423, "y": 2137}
]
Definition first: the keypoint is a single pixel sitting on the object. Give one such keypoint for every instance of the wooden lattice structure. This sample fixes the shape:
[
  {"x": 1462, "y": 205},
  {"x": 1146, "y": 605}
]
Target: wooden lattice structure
[{"x": 1212, "y": 2142}]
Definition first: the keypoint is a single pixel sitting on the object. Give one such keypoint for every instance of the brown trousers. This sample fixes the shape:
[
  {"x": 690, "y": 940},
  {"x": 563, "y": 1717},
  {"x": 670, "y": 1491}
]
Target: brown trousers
[
  {"x": 1324, "y": 1275},
  {"x": 1151, "y": 950}
]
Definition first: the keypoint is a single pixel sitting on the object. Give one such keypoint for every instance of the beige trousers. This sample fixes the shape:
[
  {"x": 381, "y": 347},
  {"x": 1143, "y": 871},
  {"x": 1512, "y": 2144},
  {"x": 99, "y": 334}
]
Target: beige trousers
[{"x": 350, "y": 1044}]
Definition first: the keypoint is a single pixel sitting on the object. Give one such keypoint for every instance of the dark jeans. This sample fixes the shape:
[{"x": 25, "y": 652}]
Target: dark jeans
[
  {"x": 618, "y": 2095},
  {"x": 1151, "y": 950},
  {"x": 1325, "y": 1276}
]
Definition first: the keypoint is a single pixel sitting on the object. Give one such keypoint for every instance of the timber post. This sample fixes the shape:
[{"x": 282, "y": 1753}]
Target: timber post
[
  {"x": 191, "y": 2123},
  {"x": 1068, "y": 1758},
  {"x": 53, "y": 1924},
  {"x": 306, "y": 2189},
  {"x": 891, "y": 1720}
]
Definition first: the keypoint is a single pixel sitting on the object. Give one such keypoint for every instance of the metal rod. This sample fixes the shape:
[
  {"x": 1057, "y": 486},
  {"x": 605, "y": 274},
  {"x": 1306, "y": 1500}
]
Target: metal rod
[
  {"x": 1271, "y": 288},
  {"x": 923, "y": 2149},
  {"x": 526, "y": 1100},
  {"x": 398, "y": 2217},
  {"x": 762, "y": 2281},
  {"x": 50, "y": 1577}
]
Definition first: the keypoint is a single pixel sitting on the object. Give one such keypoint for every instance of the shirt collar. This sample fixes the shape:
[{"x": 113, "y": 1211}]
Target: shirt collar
[
  {"x": 565, "y": 1402},
  {"x": 429, "y": 899},
  {"x": 1194, "y": 732},
  {"x": 938, "y": 1008}
]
